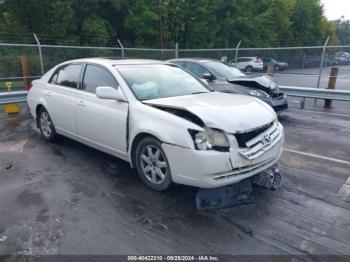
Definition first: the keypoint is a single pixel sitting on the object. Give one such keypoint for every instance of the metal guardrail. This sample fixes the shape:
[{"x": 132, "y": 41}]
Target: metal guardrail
[
  {"x": 306, "y": 92},
  {"x": 320, "y": 93},
  {"x": 13, "y": 97}
]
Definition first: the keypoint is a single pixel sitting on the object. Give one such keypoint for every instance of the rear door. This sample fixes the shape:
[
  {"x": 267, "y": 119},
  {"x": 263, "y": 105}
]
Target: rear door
[
  {"x": 242, "y": 63},
  {"x": 101, "y": 123},
  {"x": 61, "y": 97}
]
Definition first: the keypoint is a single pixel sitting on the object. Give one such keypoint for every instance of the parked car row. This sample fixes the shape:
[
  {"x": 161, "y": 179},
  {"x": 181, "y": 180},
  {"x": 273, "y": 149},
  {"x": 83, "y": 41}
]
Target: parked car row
[
  {"x": 167, "y": 119},
  {"x": 256, "y": 64},
  {"x": 250, "y": 64}
]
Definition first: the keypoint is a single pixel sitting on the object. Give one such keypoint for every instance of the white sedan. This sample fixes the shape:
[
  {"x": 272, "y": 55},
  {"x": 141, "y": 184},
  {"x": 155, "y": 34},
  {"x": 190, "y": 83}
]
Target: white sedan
[{"x": 161, "y": 119}]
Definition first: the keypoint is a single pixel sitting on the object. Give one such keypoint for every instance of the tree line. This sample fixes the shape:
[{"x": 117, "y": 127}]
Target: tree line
[{"x": 162, "y": 23}]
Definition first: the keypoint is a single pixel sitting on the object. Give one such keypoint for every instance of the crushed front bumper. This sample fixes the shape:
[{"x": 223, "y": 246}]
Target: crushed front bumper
[{"x": 212, "y": 169}]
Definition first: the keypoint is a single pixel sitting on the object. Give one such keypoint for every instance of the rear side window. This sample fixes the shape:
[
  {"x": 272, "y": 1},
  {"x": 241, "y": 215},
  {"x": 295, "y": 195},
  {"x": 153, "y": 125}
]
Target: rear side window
[
  {"x": 96, "y": 76},
  {"x": 244, "y": 59},
  {"x": 67, "y": 75}
]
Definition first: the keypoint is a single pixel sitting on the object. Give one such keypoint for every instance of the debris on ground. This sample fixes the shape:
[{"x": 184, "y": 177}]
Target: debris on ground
[
  {"x": 238, "y": 194},
  {"x": 227, "y": 196},
  {"x": 270, "y": 178}
]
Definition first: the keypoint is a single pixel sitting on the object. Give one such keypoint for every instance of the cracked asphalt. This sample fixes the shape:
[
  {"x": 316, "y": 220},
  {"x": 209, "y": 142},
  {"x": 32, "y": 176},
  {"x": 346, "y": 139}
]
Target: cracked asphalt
[{"x": 66, "y": 198}]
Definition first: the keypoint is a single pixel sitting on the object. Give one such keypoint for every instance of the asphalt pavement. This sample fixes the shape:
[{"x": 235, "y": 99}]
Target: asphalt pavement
[{"x": 66, "y": 198}]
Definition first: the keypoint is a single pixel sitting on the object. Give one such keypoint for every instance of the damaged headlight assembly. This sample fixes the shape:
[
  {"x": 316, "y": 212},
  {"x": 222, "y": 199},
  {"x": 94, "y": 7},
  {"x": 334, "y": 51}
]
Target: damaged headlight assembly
[
  {"x": 210, "y": 139},
  {"x": 257, "y": 93}
]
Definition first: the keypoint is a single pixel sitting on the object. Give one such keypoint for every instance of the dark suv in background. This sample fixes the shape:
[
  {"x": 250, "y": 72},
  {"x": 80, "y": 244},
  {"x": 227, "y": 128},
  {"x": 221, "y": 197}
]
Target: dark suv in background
[
  {"x": 278, "y": 66},
  {"x": 224, "y": 78}
]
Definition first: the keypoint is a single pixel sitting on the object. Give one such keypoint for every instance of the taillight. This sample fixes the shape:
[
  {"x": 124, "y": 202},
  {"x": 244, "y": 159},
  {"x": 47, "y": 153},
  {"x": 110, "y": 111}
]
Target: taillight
[
  {"x": 30, "y": 86},
  {"x": 258, "y": 60}
]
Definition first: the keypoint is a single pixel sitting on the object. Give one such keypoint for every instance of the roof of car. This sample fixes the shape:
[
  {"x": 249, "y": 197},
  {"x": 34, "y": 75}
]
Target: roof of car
[
  {"x": 119, "y": 61},
  {"x": 195, "y": 59}
]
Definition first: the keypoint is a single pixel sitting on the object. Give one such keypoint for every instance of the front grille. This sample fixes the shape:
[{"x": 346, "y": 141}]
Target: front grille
[
  {"x": 242, "y": 138},
  {"x": 263, "y": 142},
  {"x": 277, "y": 95}
]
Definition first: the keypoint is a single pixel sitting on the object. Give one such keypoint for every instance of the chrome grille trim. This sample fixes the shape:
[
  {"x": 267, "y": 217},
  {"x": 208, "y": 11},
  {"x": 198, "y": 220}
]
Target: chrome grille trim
[
  {"x": 244, "y": 170},
  {"x": 256, "y": 147}
]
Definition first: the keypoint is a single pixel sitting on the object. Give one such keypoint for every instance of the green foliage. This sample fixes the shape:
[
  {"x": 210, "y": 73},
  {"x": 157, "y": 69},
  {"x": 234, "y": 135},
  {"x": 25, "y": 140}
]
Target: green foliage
[{"x": 192, "y": 23}]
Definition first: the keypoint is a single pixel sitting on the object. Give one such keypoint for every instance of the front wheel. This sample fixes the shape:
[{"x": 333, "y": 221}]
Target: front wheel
[
  {"x": 46, "y": 126},
  {"x": 152, "y": 164}
]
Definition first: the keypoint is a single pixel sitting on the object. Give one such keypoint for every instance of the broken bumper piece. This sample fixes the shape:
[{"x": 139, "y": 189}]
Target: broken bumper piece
[
  {"x": 224, "y": 197},
  {"x": 270, "y": 178},
  {"x": 237, "y": 194}
]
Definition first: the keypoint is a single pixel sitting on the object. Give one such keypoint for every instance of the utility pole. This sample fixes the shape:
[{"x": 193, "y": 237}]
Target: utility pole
[{"x": 161, "y": 33}]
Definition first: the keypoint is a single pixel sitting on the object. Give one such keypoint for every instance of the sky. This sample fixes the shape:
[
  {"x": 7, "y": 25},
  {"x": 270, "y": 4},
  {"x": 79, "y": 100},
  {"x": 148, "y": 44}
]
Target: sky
[{"x": 334, "y": 9}]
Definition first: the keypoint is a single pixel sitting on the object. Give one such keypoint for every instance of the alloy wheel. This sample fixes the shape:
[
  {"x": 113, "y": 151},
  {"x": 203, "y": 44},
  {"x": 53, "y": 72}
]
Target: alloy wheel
[
  {"x": 153, "y": 164},
  {"x": 45, "y": 124}
]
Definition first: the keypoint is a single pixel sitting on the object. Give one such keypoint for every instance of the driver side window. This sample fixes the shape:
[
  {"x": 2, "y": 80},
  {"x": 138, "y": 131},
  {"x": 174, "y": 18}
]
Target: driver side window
[
  {"x": 196, "y": 69},
  {"x": 96, "y": 76}
]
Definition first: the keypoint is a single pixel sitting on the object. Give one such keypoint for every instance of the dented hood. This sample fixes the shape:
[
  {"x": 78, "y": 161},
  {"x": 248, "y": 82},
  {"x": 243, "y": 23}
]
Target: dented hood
[
  {"x": 264, "y": 82},
  {"x": 229, "y": 112}
]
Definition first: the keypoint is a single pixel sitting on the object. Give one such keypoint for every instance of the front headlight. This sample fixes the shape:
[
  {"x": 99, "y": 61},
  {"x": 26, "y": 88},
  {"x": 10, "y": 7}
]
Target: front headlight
[
  {"x": 210, "y": 139},
  {"x": 257, "y": 93}
]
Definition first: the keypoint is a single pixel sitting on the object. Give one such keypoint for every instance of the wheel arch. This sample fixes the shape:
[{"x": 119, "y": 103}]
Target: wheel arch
[
  {"x": 37, "y": 110},
  {"x": 136, "y": 140}
]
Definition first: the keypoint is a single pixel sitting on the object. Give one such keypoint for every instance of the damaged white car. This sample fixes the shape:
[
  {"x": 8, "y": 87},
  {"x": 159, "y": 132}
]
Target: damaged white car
[{"x": 167, "y": 123}]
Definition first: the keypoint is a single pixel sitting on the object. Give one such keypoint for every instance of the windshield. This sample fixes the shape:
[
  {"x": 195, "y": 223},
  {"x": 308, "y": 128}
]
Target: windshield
[
  {"x": 223, "y": 70},
  {"x": 154, "y": 81}
]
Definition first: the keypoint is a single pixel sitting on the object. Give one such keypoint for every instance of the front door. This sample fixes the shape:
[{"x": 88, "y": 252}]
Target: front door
[{"x": 101, "y": 123}]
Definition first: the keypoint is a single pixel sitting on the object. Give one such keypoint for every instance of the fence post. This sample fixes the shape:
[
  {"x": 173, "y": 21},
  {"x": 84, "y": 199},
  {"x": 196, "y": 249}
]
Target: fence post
[
  {"x": 122, "y": 48},
  {"x": 237, "y": 48},
  {"x": 40, "y": 54},
  {"x": 331, "y": 85},
  {"x": 322, "y": 60},
  {"x": 321, "y": 65},
  {"x": 304, "y": 58},
  {"x": 176, "y": 50}
]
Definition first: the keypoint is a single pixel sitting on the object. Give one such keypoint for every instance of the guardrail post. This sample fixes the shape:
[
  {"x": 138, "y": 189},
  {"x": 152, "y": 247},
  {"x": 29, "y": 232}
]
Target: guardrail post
[
  {"x": 177, "y": 50},
  {"x": 331, "y": 84},
  {"x": 237, "y": 49},
  {"x": 122, "y": 48},
  {"x": 270, "y": 70},
  {"x": 40, "y": 54}
]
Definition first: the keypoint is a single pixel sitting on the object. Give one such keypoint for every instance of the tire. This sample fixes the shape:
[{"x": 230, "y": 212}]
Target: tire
[
  {"x": 47, "y": 128},
  {"x": 249, "y": 69},
  {"x": 152, "y": 164},
  {"x": 277, "y": 68}
]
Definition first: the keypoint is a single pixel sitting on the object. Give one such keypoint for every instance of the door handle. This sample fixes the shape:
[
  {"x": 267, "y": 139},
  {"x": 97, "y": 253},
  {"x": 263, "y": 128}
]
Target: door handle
[
  {"x": 81, "y": 103},
  {"x": 49, "y": 93}
]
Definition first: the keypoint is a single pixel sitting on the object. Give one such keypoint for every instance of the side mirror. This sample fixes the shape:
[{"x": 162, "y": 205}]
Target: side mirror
[
  {"x": 208, "y": 76},
  {"x": 106, "y": 92}
]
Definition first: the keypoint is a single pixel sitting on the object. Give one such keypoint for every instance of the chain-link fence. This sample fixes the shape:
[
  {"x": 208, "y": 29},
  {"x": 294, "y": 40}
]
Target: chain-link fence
[{"x": 294, "y": 66}]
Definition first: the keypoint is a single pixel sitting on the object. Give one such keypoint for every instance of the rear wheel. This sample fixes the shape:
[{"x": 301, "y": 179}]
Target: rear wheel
[
  {"x": 46, "y": 126},
  {"x": 249, "y": 69},
  {"x": 152, "y": 164}
]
